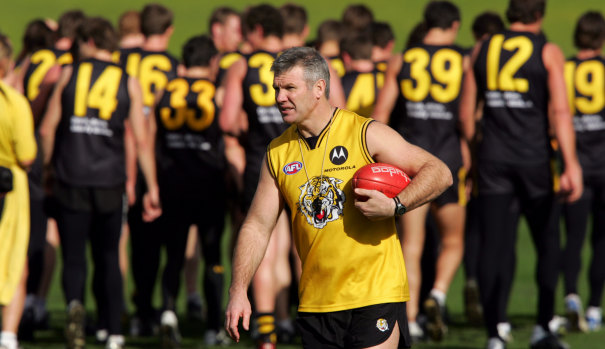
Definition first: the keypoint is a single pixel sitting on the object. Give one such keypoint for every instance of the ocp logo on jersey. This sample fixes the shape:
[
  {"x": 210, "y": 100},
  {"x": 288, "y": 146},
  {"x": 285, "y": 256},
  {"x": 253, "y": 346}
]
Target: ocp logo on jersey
[
  {"x": 339, "y": 155},
  {"x": 292, "y": 168}
]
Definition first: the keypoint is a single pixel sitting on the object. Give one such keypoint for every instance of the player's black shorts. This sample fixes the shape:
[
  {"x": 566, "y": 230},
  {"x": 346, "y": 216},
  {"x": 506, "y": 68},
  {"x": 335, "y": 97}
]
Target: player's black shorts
[
  {"x": 528, "y": 181},
  {"x": 456, "y": 193},
  {"x": 355, "y": 328}
]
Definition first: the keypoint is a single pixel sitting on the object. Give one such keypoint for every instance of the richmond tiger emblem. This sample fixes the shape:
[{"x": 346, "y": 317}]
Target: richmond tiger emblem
[{"x": 321, "y": 200}]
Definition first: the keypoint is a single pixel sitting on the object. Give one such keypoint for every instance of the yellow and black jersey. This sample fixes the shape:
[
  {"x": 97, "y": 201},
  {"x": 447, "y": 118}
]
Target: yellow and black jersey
[
  {"x": 348, "y": 261},
  {"x": 89, "y": 147},
  {"x": 512, "y": 80},
  {"x": 586, "y": 91},
  {"x": 153, "y": 69},
  {"x": 129, "y": 59},
  {"x": 338, "y": 65},
  {"x": 189, "y": 142},
  {"x": 224, "y": 63},
  {"x": 430, "y": 82},
  {"x": 264, "y": 119},
  {"x": 40, "y": 63},
  {"x": 361, "y": 90}
]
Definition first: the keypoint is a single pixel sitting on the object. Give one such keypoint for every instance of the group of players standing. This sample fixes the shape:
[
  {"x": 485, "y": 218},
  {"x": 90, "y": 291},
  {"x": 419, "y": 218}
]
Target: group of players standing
[{"x": 199, "y": 128}]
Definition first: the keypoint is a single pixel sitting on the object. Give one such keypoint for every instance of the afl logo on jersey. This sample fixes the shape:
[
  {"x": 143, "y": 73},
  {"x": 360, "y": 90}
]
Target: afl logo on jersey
[
  {"x": 339, "y": 155},
  {"x": 292, "y": 168}
]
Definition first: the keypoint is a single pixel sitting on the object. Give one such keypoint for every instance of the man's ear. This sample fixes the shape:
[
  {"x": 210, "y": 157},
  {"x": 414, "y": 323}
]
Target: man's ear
[
  {"x": 169, "y": 31},
  {"x": 320, "y": 88}
]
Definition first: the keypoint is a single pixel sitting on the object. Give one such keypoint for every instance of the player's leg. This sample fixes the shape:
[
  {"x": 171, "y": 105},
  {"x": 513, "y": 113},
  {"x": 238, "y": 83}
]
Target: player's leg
[
  {"x": 73, "y": 229},
  {"x": 145, "y": 246},
  {"x": 472, "y": 305},
  {"x": 265, "y": 284},
  {"x": 107, "y": 279},
  {"x": 211, "y": 224},
  {"x": 413, "y": 226},
  {"x": 50, "y": 259},
  {"x": 450, "y": 221},
  {"x": 542, "y": 212},
  {"x": 191, "y": 271},
  {"x": 596, "y": 273},
  {"x": 174, "y": 226},
  {"x": 11, "y": 314},
  {"x": 283, "y": 277},
  {"x": 576, "y": 220}
]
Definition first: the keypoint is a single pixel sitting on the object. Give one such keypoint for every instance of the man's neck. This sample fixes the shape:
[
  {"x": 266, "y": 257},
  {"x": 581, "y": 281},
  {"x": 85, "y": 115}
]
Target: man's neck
[
  {"x": 198, "y": 73},
  {"x": 292, "y": 40},
  {"x": 270, "y": 44},
  {"x": 587, "y": 54},
  {"x": 132, "y": 41},
  {"x": 362, "y": 65},
  {"x": 63, "y": 44},
  {"x": 317, "y": 120},
  {"x": 439, "y": 37},
  {"x": 535, "y": 27},
  {"x": 330, "y": 48},
  {"x": 156, "y": 43}
]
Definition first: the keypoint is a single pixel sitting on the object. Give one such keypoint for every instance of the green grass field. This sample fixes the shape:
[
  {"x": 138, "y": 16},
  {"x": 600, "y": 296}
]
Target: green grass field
[{"x": 191, "y": 18}]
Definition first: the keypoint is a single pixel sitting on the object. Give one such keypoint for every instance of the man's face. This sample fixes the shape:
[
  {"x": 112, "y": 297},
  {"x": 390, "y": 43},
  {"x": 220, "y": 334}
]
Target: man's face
[
  {"x": 232, "y": 32},
  {"x": 294, "y": 99}
]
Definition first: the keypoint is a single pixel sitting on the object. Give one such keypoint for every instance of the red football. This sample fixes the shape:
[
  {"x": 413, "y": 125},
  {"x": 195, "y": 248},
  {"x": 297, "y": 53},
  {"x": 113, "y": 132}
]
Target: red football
[{"x": 385, "y": 178}]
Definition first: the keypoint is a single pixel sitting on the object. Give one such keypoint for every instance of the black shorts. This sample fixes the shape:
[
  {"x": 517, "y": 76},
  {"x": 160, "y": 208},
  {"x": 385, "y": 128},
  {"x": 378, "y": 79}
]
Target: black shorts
[
  {"x": 456, "y": 193},
  {"x": 526, "y": 181},
  {"x": 354, "y": 328}
]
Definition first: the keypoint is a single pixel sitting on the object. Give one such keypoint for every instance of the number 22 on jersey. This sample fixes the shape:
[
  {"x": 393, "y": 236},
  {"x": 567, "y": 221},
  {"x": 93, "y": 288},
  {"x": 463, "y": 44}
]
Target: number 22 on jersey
[{"x": 103, "y": 93}]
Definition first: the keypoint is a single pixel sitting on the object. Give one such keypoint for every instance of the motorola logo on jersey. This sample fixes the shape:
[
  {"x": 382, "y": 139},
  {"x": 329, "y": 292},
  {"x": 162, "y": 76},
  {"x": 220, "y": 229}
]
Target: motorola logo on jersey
[
  {"x": 292, "y": 168},
  {"x": 339, "y": 155}
]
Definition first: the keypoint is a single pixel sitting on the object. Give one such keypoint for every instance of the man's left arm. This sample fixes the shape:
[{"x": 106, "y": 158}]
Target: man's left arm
[
  {"x": 561, "y": 122},
  {"x": 430, "y": 176}
]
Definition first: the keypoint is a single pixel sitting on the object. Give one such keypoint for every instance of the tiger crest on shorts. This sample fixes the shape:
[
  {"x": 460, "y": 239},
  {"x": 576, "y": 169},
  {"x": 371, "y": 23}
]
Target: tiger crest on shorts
[
  {"x": 382, "y": 325},
  {"x": 321, "y": 200}
]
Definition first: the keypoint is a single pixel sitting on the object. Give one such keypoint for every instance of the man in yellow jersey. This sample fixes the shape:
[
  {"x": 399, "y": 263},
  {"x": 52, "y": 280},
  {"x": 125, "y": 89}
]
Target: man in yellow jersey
[
  {"x": 17, "y": 153},
  {"x": 353, "y": 272}
]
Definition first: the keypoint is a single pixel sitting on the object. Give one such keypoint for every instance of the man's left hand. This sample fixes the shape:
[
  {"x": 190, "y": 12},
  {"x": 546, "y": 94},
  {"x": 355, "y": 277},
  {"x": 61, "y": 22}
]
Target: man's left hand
[{"x": 374, "y": 204}]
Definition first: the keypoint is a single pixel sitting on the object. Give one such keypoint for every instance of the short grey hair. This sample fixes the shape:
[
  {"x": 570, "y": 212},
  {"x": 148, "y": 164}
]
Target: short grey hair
[{"x": 313, "y": 64}]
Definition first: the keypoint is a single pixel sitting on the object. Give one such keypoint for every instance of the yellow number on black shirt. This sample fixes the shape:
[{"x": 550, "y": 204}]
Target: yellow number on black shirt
[
  {"x": 503, "y": 79},
  {"x": 45, "y": 59},
  {"x": 152, "y": 71},
  {"x": 102, "y": 95},
  {"x": 262, "y": 94},
  {"x": 590, "y": 83},
  {"x": 445, "y": 68},
  {"x": 179, "y": 89},
  {"x": 362, "y": 94}
]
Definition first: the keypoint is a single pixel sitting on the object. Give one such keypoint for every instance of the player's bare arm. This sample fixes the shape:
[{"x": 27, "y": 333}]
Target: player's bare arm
[
  {"x": 52, "y": 117},
  {"x": 388, "y": 94},
  {"x": 571, "y": 178},
  {"x": 430, "y": 176},
  {"x": 250, "y": 249},
  {"x": 337, "y": 93},
  {"x": 145, "y": 152},
  {"x": 234, "y": 98}
]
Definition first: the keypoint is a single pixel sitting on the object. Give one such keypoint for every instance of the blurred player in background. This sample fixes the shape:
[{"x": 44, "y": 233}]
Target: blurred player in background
[
  {"x": 357, "y": 18},
  {"x": 83, "y": 123},
  {"x": 17, "y": 153},
  {"x": 248, "y": 86},
  {"x": 585, "y": 77},
  {"x": 519, "y": 76},
  {"x": 361, "y": 82},
  {"x": 154, "y": 67},
  {"x": 329, "y": 34},
  {"x": 484, "y": 25},
  {"x": 383, "y": 41},
  {"x": 40, "y": 71},
  {"x": 430, "y": 80},
  {"x": 191, "y": 170}
]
